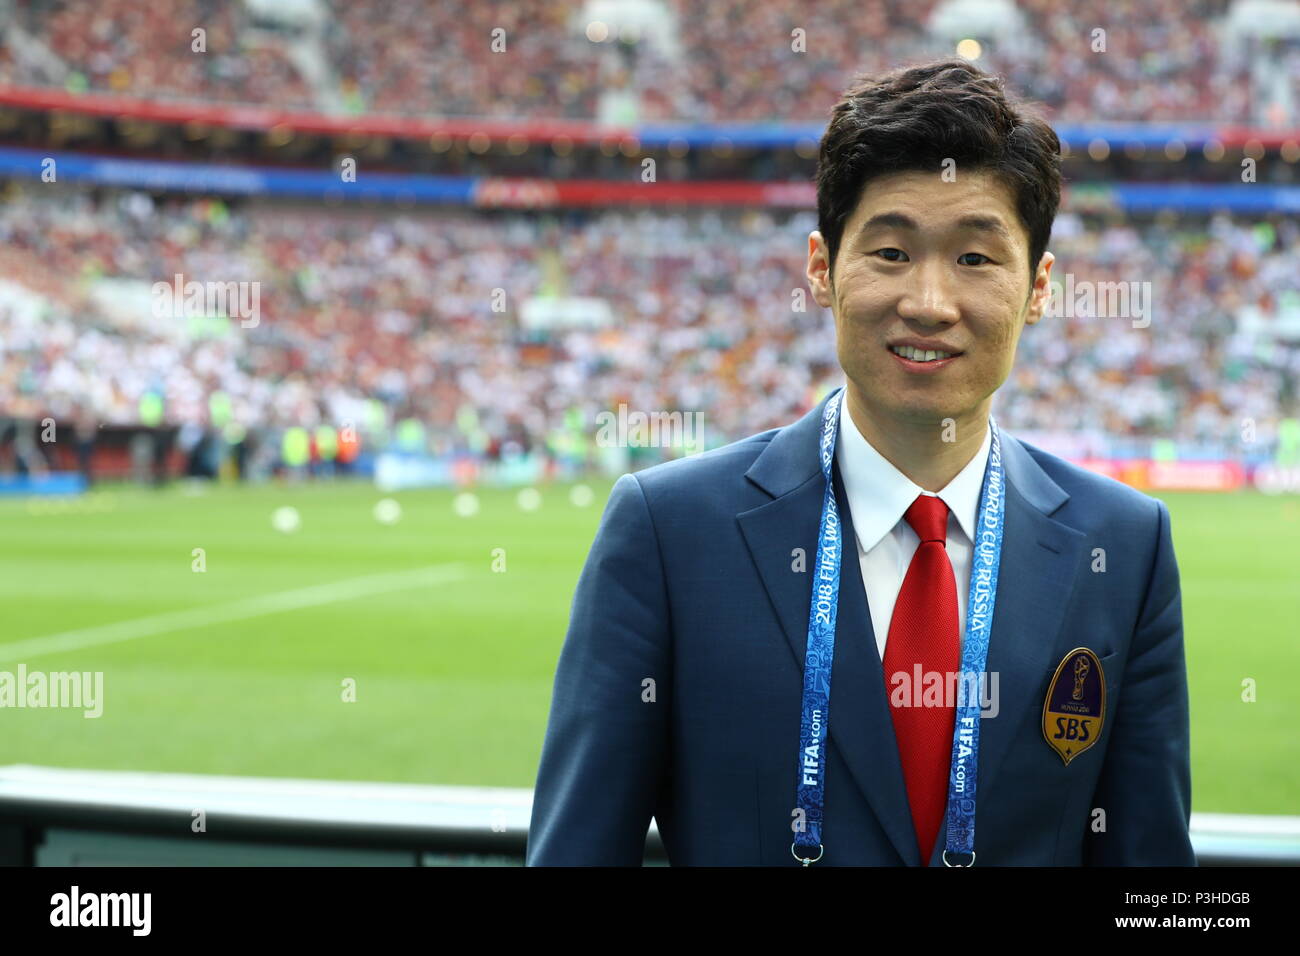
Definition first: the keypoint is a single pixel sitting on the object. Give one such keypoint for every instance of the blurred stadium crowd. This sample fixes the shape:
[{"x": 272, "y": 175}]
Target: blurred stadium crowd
[
  {"x": 726, "y": 60},
  {"x": 372, "y": 318},
  {"x": 398, "y": 327}
]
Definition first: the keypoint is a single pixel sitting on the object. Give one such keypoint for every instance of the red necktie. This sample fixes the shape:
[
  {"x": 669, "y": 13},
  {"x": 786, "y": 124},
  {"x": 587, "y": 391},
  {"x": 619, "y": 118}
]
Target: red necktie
[{"x": 924, "y": 630}]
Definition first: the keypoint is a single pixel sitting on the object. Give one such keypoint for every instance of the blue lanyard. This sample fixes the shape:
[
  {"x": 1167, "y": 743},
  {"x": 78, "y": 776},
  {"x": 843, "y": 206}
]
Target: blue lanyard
[{"x": 815, "y": 721}]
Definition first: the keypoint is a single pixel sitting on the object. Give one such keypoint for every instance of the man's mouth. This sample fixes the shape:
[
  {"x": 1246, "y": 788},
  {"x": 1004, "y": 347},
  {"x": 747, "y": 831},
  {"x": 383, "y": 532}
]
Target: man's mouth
[{"x": 918, "y": 355}]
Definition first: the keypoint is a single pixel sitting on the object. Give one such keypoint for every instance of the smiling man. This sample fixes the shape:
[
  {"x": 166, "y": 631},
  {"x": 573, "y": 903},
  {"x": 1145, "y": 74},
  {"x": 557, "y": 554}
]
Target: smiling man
[{"x": 889, "y": 633}]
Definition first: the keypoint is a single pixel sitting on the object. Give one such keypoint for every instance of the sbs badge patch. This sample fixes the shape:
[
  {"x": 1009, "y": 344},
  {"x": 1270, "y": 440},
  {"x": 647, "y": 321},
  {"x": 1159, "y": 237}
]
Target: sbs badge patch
[{"x": 1076, "y": 704}]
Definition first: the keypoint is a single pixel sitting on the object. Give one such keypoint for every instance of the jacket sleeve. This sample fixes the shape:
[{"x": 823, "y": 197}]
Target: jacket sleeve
[
  {"x": 1145, "y": 786},
  {"x": 605, "y": 755}
]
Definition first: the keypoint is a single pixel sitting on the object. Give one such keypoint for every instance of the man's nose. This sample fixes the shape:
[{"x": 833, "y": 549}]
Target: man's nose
[{"x": 930, "y": 293}]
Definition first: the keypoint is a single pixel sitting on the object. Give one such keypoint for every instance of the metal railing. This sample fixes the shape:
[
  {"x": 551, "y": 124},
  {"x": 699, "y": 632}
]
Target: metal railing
[{"x": 60, "y": 817}]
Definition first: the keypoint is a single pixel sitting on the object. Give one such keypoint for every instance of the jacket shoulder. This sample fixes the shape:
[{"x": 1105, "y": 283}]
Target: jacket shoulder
[
  {"x": 708, "y": 469},
  {"x": 1092, "y": 490}
]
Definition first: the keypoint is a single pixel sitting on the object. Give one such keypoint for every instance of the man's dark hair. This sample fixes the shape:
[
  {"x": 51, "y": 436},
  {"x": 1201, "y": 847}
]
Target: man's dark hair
[{"x": 915, "y": 117}]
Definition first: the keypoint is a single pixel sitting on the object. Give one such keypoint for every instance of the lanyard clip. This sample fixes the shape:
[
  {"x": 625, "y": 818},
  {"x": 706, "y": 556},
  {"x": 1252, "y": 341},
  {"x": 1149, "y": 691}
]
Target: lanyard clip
[{"x": 806, "y": 860}]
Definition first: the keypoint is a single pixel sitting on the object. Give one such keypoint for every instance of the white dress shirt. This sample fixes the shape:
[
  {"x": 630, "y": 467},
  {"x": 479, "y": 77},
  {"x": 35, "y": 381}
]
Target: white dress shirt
[{"x": 879, "y": 494}]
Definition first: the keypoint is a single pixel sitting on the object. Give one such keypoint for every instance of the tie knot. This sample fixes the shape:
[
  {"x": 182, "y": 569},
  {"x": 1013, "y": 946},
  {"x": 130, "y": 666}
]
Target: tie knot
[{"x": 928, "y": 516}]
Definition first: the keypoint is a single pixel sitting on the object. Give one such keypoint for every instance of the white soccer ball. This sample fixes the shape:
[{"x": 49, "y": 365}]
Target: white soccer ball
[{"x": 286, "y": 520}]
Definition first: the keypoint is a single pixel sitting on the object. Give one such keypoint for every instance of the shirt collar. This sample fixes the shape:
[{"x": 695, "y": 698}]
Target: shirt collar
[{"x": 879, "y": 494}]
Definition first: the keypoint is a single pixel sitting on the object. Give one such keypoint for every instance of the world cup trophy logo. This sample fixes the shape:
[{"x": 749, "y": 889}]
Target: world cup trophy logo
[{"x": 1081, "y": 668}]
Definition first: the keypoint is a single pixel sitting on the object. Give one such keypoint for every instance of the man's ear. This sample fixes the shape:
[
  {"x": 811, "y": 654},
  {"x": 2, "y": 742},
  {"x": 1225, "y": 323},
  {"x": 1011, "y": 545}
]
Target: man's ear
[
  {"x": 1040, "y": 293},
  {"x": 818, "y": 270}
]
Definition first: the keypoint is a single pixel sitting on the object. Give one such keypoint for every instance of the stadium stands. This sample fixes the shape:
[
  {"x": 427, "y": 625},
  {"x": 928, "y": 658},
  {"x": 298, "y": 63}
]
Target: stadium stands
[
  {"x": 372, "y": 315},
  {"x": 366, "y": 305},
  {"x": 734, "y": 60}
]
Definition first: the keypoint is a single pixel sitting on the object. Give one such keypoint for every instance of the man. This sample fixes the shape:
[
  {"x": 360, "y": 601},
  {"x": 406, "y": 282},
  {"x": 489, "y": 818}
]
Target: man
[{"x": 682, "y": 692}]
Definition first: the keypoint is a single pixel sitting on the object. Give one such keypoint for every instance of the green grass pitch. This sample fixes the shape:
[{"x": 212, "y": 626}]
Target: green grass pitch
[{"x": 453, "y": 679}]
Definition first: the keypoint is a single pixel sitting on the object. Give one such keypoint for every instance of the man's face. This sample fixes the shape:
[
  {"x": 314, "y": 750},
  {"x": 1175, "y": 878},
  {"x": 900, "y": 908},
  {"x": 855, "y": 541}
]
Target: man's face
[{"x": 909, "y": 267}]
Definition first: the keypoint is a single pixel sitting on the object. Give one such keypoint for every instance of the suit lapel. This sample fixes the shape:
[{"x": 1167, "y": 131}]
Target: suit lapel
[
  {"x": 1026, "y": 618},
  {"x": 861, "y": 727},
  {"x": 1041, "y": 561}
]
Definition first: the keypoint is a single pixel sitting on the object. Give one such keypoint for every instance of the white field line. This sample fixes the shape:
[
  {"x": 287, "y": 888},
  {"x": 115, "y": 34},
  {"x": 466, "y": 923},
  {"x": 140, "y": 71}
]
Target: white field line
[{"x": 313, "y": 596}]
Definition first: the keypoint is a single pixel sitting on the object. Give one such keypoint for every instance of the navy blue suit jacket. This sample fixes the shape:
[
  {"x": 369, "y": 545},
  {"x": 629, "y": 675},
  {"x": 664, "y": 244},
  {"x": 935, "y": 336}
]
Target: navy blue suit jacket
[{"x": 691, "y": 584}]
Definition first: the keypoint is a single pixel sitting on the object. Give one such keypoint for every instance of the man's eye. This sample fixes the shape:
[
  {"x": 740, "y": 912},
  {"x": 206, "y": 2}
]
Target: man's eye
[
  {"x": 980, "y": 254},
  {"x": 891, "y": 249}
]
